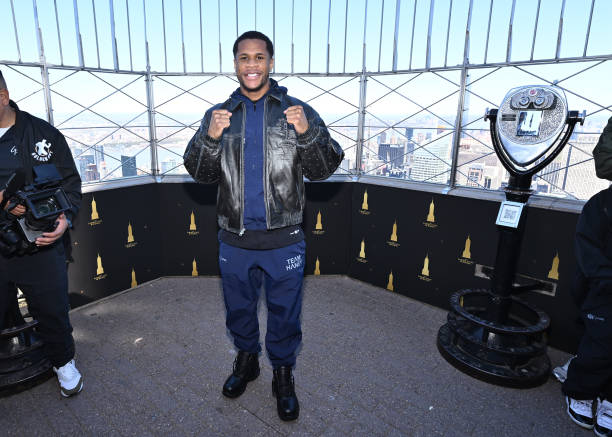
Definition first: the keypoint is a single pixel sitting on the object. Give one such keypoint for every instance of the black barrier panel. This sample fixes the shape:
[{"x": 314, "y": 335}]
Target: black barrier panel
[
  {"x": 189, "y": 237},
  {"x": 327, "y": 220},
  {"x": 115, "y": 242},
  {"x": 548, "y": 254},
  {"x": 427, "y": 246},
  {"x": 190, "y": 228},
  {"x": 413, "y": 241},
  {"x": 171, "y": 230},
  {"x": 422, "y": 245}
]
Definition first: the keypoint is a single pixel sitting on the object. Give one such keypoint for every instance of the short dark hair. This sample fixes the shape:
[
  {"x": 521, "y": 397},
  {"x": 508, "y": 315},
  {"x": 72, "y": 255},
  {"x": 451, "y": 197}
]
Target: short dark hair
[
  {"x": 2, "y": 82},
  {"x": 253, "y": 34}
]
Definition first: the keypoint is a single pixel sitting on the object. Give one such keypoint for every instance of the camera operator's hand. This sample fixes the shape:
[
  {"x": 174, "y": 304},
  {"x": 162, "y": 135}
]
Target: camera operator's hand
[
  {"x": 50, "y": 237},
  {"x": 19, "y": 210}
]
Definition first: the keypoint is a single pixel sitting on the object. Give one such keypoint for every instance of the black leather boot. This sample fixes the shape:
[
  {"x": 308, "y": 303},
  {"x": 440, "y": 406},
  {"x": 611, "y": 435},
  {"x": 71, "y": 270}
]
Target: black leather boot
[
  {"x": 283, "y": 387},
  {"x": 246, "y": 369}
]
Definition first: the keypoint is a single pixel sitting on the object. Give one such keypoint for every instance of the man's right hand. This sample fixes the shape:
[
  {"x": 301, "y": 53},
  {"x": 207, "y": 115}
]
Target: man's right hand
[
  {"x": 18, "y": 211},
  {"x": 219, "y": 120}
]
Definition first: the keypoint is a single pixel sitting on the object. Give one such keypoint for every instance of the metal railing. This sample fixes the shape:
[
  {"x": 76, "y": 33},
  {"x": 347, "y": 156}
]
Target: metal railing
[{"x": 390, "y": 36}]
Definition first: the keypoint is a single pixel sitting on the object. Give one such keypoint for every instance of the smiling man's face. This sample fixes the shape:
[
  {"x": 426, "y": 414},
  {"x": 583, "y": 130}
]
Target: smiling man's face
[{"x": 253, "y": 64}]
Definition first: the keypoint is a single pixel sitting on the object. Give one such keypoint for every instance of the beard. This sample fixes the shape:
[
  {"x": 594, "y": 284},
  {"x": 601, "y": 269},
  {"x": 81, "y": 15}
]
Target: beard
[{"x": 264, "y": 80}]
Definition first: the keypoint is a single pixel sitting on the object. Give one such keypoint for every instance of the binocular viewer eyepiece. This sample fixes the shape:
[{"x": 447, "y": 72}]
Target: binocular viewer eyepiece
[{"x": 531, "y": 127}]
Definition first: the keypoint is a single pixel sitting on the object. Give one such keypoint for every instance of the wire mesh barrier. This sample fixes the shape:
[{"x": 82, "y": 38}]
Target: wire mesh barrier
[{"x": 401, "y": 84}]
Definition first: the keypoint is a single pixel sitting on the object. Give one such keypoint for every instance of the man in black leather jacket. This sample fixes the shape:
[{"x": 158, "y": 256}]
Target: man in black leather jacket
[{"x": 258, "y": 145}]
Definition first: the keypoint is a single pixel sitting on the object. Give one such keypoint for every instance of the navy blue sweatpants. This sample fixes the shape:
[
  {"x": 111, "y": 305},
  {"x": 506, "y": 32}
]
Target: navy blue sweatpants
[{"x": 281, "y": 271}]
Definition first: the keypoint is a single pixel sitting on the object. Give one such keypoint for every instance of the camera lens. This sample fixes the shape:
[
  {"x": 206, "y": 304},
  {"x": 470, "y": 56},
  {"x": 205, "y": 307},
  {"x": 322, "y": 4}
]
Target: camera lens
[
  {"x": 524, "y": 101},
  {"x": 46, "y": 206}
]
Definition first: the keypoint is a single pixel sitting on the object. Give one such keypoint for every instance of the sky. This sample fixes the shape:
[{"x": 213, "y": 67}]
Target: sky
[
  {"x": 292, "y": 23},
  {"x": 360, "y": 35},
  {"x": 289, "y": 20}
]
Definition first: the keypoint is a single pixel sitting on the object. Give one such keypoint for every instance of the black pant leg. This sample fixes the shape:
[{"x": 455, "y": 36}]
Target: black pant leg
[
  {"x": 590, "y": 373},
  {"x": 44, "y": 281}
]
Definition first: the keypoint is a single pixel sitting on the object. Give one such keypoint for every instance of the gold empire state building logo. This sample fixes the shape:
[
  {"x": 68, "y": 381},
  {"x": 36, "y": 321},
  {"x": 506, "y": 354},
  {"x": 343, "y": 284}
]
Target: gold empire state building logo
[
  {"x": 130, "y": 238},
  {"x": 133, "y": 283},
  {"x": 365, "y": 209},
  {"x": 362, "y": 256},
  {"x": 390, "y": 281},
  {"x": 194, "y": 268},
  {"x": 553, "y": 273},
  {"x": 317, "y": 270},
  {"x": 95, "y": 216},
  {"x": 318, "y": 230},
  {"x": 193, "y": 229},
  {"x": 466, "y": 255},
  {"x": 431, "y": 218},
  {"x": 99, "y": 269},
  {"x": 424, "y": 276},
  {"x": 393, "y": 237}
]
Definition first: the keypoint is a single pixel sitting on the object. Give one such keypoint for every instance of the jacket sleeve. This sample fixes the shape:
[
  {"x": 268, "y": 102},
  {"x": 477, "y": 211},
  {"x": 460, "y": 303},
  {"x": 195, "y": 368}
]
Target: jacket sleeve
[
  {"x": 71, "y": 181},
  {"x": 591, "y": 236},
  {"x": 319, "y": 152},
  {"x": 202, "y": 157}
]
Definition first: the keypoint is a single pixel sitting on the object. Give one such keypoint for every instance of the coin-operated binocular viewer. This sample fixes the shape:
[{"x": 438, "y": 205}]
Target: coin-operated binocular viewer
[{"x": 490, "y": 333}]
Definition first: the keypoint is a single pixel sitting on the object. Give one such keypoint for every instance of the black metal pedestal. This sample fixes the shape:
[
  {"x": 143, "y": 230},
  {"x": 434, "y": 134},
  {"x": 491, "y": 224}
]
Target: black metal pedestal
[
  {"x": 22, "y": 360},
  {"x": 491, "y": 334},
  {"x": 511, "y": 354}
]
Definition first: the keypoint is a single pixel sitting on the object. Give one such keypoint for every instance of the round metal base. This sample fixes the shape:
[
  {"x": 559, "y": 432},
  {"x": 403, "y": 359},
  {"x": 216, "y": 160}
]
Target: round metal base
[
  {"x": 532, "y": 374},
  {"x": 23, "y": 363},
  {"x": 512, "y": 354}
]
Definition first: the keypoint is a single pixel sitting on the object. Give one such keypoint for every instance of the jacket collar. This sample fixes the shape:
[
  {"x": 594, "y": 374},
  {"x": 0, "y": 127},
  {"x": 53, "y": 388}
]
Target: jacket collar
[{"x": 276, "y": 92}]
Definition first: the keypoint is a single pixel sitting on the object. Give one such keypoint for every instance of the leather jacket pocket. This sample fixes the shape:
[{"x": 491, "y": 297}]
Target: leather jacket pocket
[{"x": 285, "y": 150}]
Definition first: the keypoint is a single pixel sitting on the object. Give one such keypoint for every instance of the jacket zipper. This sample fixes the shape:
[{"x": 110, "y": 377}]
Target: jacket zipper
[
  {"x": 265, "y": 191},
  {"x": 241, "y": 233}
]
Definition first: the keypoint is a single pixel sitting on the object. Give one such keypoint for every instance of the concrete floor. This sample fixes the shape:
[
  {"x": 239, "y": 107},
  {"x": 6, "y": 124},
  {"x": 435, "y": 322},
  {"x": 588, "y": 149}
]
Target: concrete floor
[{"x": 154, "y": 359}]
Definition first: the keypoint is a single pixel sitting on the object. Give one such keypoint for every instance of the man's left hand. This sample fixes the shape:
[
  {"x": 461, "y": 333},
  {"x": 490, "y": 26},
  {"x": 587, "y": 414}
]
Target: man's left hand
[
  {"x": 296, "y": 117},
  {"x": 50, "y": 237}
]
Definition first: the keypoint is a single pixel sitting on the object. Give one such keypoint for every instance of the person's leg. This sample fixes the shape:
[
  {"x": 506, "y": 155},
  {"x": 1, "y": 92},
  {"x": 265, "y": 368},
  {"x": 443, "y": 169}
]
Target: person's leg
[
  {"x": 602, "y": 319},
  {"x": 242, "y": 280},
  {"x": 9, "y": 310},
  {"x": 43, "y": 279},
  {"x": 8, "y": 301},
  {"x": 590, "y": 372},
  {"x": 284, "y": 278}
]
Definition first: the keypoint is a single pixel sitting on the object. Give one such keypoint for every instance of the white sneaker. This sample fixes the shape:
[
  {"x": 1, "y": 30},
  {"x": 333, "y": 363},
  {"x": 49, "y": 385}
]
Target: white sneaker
[
  {"x": 561, "y": 371},
  {"x": 580, "y": 411},
  {"x": 603, "y": 424},
  {"x": 70, "y": 379}
]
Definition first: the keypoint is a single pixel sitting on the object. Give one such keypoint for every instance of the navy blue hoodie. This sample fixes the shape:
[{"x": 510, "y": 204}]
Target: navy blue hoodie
[
  {"x": 254, "y": 206},
  {"x": 257, "y": 235}
]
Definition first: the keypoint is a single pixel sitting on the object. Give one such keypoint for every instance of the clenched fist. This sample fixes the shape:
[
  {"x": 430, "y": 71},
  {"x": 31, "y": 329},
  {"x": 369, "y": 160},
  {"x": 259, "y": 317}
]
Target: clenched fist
[
  {"x": 296, "y": 117},
  {"x": 219, "y": 121}
]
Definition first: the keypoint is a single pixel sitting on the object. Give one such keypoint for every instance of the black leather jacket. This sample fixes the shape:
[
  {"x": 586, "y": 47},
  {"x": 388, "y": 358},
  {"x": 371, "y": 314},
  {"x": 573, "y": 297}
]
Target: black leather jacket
[{"x": 288, "y": 157}]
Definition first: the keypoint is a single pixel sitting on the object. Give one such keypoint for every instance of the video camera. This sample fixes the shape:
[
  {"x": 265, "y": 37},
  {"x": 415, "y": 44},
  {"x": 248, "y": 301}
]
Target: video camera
[{"x": 44, "y": 200}]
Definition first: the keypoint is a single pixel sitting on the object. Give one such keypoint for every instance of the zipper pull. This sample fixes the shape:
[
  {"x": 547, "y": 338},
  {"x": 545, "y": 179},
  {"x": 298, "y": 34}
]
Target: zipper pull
[{"x": 242, "y": 232}]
